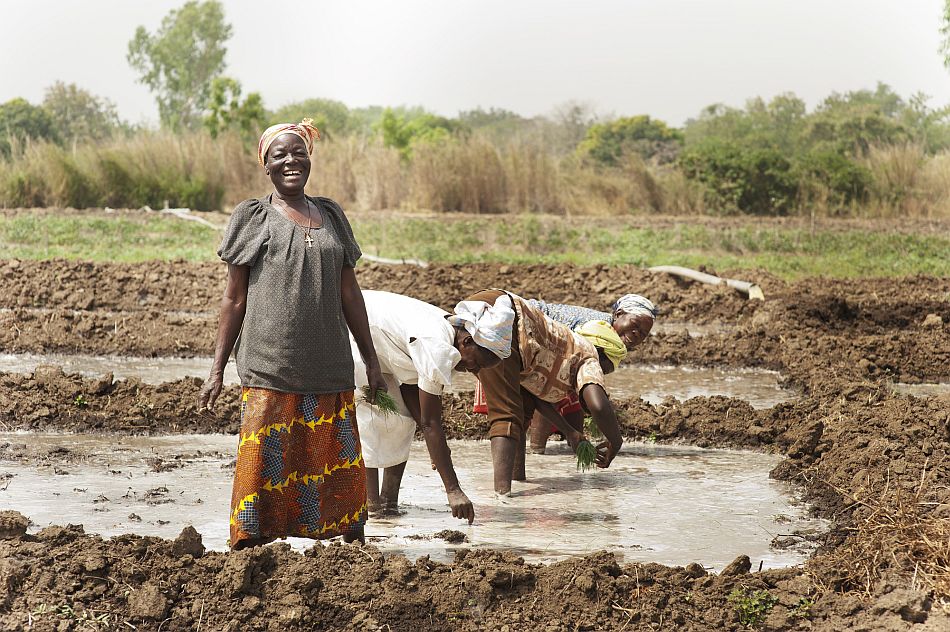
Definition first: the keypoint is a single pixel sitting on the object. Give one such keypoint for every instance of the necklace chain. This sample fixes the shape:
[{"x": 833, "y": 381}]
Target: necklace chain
[{"x": 309, "y": 225}]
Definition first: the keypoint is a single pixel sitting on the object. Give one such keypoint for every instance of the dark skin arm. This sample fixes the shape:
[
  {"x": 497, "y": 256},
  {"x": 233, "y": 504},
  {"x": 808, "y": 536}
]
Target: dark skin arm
[
  {"x": 429, "y": 416},
  {"x": 598, "y": 405},
  {"x": 230, "y": 319},
  {"x": 550, "y": 414},
  {"x": 354, "y": 311}
]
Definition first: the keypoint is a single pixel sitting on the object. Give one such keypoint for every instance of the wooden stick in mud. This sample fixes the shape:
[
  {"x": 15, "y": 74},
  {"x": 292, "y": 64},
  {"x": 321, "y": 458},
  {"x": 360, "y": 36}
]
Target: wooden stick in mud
[{"x": 751, "y": 290}]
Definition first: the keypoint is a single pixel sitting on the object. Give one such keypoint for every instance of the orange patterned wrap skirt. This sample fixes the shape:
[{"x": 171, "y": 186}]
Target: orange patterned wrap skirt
[{"x": 299, "y": 467}]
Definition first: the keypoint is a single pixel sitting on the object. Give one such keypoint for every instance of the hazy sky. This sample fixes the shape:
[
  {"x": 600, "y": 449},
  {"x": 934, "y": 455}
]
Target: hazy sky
[{"x": 667, "y": 58}]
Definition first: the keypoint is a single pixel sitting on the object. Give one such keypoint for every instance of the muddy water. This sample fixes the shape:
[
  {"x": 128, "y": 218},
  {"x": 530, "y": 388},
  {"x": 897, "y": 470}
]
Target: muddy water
[
  {"x": 655, "y": 383},
  {"x": 694, "y": 330},
  {"x": 149, "y": 370},
  {"x": 669, "y": 505},
  {"x": 938, "y": 389}
]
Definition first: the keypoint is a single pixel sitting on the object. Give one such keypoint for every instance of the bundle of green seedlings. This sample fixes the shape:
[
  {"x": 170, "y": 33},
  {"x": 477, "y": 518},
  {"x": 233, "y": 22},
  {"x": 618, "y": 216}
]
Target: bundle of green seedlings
[
  {"x": 383, "y": 401},
  {"x": 586, "y": 455}
]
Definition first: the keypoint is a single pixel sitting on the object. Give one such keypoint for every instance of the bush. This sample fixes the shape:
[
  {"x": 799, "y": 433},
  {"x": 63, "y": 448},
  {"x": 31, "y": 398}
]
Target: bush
[
  {"x": 20, "y": 121},
  {"x": 607, "y": 143},
  {"x": 846, "y": 181},
  {"x": 758, "y": 180}
]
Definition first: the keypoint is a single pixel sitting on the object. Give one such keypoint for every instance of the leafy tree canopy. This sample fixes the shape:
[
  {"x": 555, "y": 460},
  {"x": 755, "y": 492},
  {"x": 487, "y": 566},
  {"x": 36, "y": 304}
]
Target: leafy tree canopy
[
  {"x": 403, "y": 130},
  {"x": 227, "y": 111},
  {"x": 20, "y": 120},
  {"x": 79, "y": 115},
  {"x": 180, "y": 61},
  {"x": 331, "y": 117},
  {"x": 608, "y": 142}
]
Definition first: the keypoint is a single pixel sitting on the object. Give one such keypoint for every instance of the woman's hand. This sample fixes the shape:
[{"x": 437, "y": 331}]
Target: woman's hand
[
  {"x": 606, "y": 453},
  {"x": 574, "y": 438},
  {"x": 209, "y": 391},
  {"x": 374, "y": 377},
  {"x": 461, "y": 506}
]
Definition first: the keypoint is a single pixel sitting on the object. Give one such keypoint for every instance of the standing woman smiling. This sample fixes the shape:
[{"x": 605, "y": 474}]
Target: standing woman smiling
[{"x": 291, "y": 294}]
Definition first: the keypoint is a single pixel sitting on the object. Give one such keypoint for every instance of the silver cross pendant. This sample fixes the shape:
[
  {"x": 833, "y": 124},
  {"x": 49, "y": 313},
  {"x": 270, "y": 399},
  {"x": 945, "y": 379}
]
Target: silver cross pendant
[{"x": 309, "y": 241}]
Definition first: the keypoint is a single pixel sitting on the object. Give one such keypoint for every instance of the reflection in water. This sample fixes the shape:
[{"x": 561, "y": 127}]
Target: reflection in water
[
  {"x": 669, "y": 505},
  {"x": 652, "y": 383},
  {"x": 149, "y": 370},
  {"x": 655, "y": 383},
  {"x": 694, "y": 330},
  {"x": 939, "y": 389}
]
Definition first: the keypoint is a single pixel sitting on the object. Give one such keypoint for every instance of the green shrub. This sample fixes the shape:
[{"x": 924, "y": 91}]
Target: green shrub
[
  {"x": 607, "y": 143},
  {"x": 846, "y": 180},
  {"x": 751, "y": 180}
]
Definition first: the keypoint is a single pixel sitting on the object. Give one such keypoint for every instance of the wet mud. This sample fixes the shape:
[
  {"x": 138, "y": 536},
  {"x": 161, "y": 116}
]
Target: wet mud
[
  {"x": 871, "y": 460},
  {"x": 810, "y": 330},
  {"x": 155, "y": 485}
]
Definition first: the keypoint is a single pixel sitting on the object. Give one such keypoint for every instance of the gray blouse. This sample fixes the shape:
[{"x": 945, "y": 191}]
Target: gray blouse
[{"x": 294, "y": 338}]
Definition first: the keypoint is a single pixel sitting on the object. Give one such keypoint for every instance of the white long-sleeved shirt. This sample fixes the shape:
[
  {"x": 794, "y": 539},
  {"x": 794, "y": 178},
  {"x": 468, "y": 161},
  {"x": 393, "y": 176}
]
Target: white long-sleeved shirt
[{"x": 414, "y": 342}]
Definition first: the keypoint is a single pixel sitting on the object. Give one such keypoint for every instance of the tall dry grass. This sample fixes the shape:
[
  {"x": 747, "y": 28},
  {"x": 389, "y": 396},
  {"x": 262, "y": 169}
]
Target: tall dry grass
[
  {"x": 153, "y": 169},
  {"x": 907, "y": 182},
  {"x": 473, "y": 174}
]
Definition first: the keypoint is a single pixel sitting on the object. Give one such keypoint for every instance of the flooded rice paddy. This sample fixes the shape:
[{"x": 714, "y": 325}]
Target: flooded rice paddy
[
  {"x": 658, "y": 504},
  {"x": 759, "y": 387}
]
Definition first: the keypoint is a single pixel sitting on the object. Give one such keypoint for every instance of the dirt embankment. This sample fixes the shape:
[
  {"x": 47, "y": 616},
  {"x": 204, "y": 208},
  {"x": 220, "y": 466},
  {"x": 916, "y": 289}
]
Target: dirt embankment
[
  {"x": 174, "y": 585},
  {"x": 813, "y": 330}
]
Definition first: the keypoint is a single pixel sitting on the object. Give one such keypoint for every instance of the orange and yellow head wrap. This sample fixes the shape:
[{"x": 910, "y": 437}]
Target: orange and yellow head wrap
[{"x": 304, "y": 129}]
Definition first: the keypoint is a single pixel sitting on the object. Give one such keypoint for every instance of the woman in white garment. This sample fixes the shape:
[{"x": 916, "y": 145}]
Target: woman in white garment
[{"x": 418, "y": 350}]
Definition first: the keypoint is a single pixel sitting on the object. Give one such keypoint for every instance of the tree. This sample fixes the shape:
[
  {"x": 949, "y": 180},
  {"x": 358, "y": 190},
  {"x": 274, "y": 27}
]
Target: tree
[
  {"x": 181, "y": 60},
  {"x": 228, "y": 112},
  {"x": 78, "y": 114},
  {"x": 945, "y": 33},
  {"x": 331, "y": 117},
  {"x": 402, "y": 131},
  {"x": 608, "y": 142},
  {"x": 20, "y": 120}
]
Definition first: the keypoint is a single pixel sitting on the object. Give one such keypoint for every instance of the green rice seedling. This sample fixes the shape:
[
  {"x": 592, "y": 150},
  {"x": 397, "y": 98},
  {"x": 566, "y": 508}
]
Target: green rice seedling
[
  {"x": 384, "y": 401},
  {"x": 586, "y": 455}
]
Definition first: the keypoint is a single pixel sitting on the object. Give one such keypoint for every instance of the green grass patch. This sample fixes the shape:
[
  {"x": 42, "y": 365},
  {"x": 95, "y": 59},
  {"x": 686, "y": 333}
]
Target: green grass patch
[
  {"x": 106, "y": 238},
  {"x": 788, "y": 252},
  {"x": 752, "y": 606}
]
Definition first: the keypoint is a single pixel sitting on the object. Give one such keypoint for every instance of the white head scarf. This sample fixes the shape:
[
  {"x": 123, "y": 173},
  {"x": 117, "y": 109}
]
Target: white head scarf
[
  {"x": 636, "y": 305},
  {"x": 490, "y": 325}
]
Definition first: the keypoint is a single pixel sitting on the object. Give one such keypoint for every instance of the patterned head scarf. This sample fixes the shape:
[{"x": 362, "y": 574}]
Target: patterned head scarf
[
  {"x": 490, "y": 325},
  {"x": 636, "y": 305},
  {"x": 304, "y": 129},
  {"x": 600, "y": 334}
]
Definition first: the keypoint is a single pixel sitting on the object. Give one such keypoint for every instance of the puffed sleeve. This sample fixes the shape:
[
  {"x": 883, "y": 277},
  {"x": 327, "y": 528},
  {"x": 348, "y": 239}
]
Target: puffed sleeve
[
  {"x": 246, "y": 235},
  {"x": 351, "y": 250}
]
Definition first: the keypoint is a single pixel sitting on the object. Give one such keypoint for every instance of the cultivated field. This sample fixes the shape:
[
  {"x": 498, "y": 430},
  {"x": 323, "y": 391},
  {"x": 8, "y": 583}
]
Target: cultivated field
[{"x": 853, "y": 311}]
